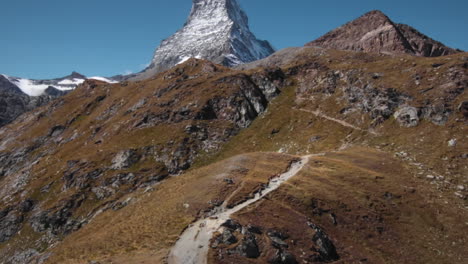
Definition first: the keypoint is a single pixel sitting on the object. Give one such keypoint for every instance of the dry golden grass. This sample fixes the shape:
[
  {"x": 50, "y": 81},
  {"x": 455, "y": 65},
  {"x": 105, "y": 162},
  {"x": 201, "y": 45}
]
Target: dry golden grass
[
  {"x": 153, "y": 222},
  {"x": 151, "y": 225},
  {"x": 383, "y": 213}
]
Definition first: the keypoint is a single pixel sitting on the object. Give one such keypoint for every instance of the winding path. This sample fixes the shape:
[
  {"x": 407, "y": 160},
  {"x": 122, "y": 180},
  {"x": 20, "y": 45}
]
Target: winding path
[{"x": 193, "y": 245}]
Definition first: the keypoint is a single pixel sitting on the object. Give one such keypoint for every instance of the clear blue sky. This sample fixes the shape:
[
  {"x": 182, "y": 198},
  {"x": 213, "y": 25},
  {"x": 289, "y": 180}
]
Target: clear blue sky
[{"x": 51, "y": 38}]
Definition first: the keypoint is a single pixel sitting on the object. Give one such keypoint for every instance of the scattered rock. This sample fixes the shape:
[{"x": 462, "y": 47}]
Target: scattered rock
[
  {"x": 228, "y": 180},
  {"x": 56, "y": 131},
  {"x": 232, "y": 225},
  {"x": 59, "y": 221},
  {"x": 452, "y": 143},
  {"x": 25, "y": 256},
  {"x": 407, "y": 116},
  {"x": 376, "y": 76},
  {"x": 326, "y": 248},
  {"x": 119, "y": 205},
  {"x": 102, "y": 192},
  {"x": 254, "y": 229},
  {"x": 137, "y": 106},
  {"x": 125, "y": 159},
  {"x": 283, "y": 257},
  {"x": 391, "y": 196},
  {"x": 315, "y": 139},
  {"x": 10, "y": 224},
  {"x": 463, "y": 108},
  {"x": 334, "y": 219},
  {"x": 248, "y": 247},
  {"x": 437, "y": 114},
  {"x": 26, "y": 206},
  {"x": 227, "y": 237},
  {"x": 278, "y": 242},
  {"x": 437, "y": 65},
  {"x": 460, "y": 195}
]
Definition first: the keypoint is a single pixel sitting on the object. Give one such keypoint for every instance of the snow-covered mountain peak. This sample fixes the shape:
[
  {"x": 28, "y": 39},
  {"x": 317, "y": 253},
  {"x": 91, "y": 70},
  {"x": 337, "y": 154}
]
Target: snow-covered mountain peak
[{"x": 216, "y": 30}]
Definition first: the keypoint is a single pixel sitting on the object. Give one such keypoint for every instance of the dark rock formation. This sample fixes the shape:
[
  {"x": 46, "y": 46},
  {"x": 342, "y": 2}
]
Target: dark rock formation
[
  {"x": 10, "y": 223},
  {"x": 13, "y": 104},
  {"x": 248, "y": 247},
  {"x": 325, "y": 247}
]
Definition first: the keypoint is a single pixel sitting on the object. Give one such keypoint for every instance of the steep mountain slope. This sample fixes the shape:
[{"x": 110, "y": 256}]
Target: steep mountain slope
[
  {"x": 394, "y": 129},
  {"x": 86, "y": 151},
  {"x": 375, "y": 32},
  {"x": 216, "y": 30}
]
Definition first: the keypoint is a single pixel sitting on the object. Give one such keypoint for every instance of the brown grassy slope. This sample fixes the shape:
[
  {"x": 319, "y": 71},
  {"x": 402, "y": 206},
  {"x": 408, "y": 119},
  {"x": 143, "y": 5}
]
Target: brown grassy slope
[
  {"x": 97, "y": 113},
  {"x": 148, "y": 227},
  {"x": 383, "y": 213},
  {"x": 297, "y": 130}
]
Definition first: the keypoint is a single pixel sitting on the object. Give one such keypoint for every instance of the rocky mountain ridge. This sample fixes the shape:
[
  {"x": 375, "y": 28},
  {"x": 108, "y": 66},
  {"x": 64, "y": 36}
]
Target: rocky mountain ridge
[{"x": 375, "y": 32}]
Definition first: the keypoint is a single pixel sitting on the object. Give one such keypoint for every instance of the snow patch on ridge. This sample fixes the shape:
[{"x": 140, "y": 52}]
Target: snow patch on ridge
[
  {"x": 71, "y": 81},
  {"x": 38, "y": 87},
  {"x": 102, "y": 79}
]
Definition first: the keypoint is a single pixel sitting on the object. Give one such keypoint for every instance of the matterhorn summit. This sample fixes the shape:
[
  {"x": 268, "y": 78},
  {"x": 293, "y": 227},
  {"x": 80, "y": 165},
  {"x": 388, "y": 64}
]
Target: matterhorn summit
[{"x": 216, "y": 30}]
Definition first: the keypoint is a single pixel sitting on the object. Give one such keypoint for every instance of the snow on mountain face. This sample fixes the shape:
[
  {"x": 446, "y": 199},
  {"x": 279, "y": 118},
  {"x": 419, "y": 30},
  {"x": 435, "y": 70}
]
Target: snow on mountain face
[
  {"x": 39, "y": 87},
  {"x": 216, "y": 30}
]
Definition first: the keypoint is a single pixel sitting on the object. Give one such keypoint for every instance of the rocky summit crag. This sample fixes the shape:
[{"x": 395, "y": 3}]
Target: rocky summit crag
[
  {"x": 216, "y": 30},
  {"x": 375, "y": 32}
]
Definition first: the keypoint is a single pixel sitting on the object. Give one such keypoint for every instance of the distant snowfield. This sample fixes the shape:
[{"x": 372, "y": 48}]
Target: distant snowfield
[
  {"x": 71, "y": 82},
  {"x": 37, "y": 87}
]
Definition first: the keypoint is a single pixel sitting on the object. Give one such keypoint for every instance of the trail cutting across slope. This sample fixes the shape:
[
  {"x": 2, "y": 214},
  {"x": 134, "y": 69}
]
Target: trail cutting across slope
[
  {"x": 193, "y": 245},
  {"x": 341, "y": 122}
]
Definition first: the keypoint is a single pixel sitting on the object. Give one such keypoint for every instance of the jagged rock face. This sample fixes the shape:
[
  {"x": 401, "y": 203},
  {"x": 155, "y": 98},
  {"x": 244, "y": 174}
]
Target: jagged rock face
[
  {"x": 375, "y": 32},
  {"x": 14, "y": 104},
  {"x": 7, "y": 86},
  {"x": 216, "y": 30}
]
